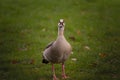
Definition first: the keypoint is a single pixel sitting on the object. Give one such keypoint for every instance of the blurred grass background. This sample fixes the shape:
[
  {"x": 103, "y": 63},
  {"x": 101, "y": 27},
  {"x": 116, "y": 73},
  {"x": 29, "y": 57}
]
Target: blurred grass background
[{"x": 92, "y": 28}]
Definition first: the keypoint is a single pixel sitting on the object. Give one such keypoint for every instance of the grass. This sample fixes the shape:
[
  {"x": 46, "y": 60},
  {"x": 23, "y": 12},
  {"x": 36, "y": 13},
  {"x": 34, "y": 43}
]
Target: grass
[{"x": 92, "y": 28}]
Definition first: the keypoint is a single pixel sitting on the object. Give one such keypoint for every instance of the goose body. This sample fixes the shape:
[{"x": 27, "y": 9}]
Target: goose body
[{"x": 59, "y": 51}]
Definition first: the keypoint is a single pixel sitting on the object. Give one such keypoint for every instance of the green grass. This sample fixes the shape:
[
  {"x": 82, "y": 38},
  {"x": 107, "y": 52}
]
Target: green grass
[{"x": 27, "y": 26}]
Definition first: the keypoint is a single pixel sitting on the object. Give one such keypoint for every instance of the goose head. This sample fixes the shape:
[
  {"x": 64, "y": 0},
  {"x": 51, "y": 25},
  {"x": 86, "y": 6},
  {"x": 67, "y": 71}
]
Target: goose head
[{"x": 61, "y": 25}]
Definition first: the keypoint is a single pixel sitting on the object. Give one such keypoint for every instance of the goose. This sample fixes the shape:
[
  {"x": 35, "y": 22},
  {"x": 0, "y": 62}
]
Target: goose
[{"x": 58, "y": 51}]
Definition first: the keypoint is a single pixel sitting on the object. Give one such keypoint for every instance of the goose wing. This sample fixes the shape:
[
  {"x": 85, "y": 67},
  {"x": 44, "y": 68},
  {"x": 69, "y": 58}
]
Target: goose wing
[
  {"x": 45, "y": 60},
  {"x": 49, "y": 45}
]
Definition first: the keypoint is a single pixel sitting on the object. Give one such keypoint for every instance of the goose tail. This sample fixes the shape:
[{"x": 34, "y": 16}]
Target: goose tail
[{"x": 45, "y": 61}]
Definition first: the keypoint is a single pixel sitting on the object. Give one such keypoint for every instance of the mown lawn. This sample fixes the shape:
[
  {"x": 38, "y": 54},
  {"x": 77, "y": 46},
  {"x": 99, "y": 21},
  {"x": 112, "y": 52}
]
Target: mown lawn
[{"x": 92, "y": 28}]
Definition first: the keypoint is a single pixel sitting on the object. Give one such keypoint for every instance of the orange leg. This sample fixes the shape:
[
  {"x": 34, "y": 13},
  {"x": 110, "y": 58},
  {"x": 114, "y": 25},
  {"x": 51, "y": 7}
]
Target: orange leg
[
  {"x": 63, "y": 72},
  {"x": 53, "y": 70}
]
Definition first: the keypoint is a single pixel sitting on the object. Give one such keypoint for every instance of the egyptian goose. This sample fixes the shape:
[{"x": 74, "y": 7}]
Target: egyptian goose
[{"x": 58, "y": 51}]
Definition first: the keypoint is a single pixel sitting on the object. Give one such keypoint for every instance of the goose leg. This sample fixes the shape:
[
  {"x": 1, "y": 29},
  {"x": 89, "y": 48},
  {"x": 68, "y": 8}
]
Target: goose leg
[
  {"x": 53, "y": 70},
  {"x": 63, "y": 72}
]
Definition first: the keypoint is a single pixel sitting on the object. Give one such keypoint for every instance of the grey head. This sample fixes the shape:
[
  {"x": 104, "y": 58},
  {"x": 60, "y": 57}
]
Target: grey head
[{"x": 61, "y": 26}]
